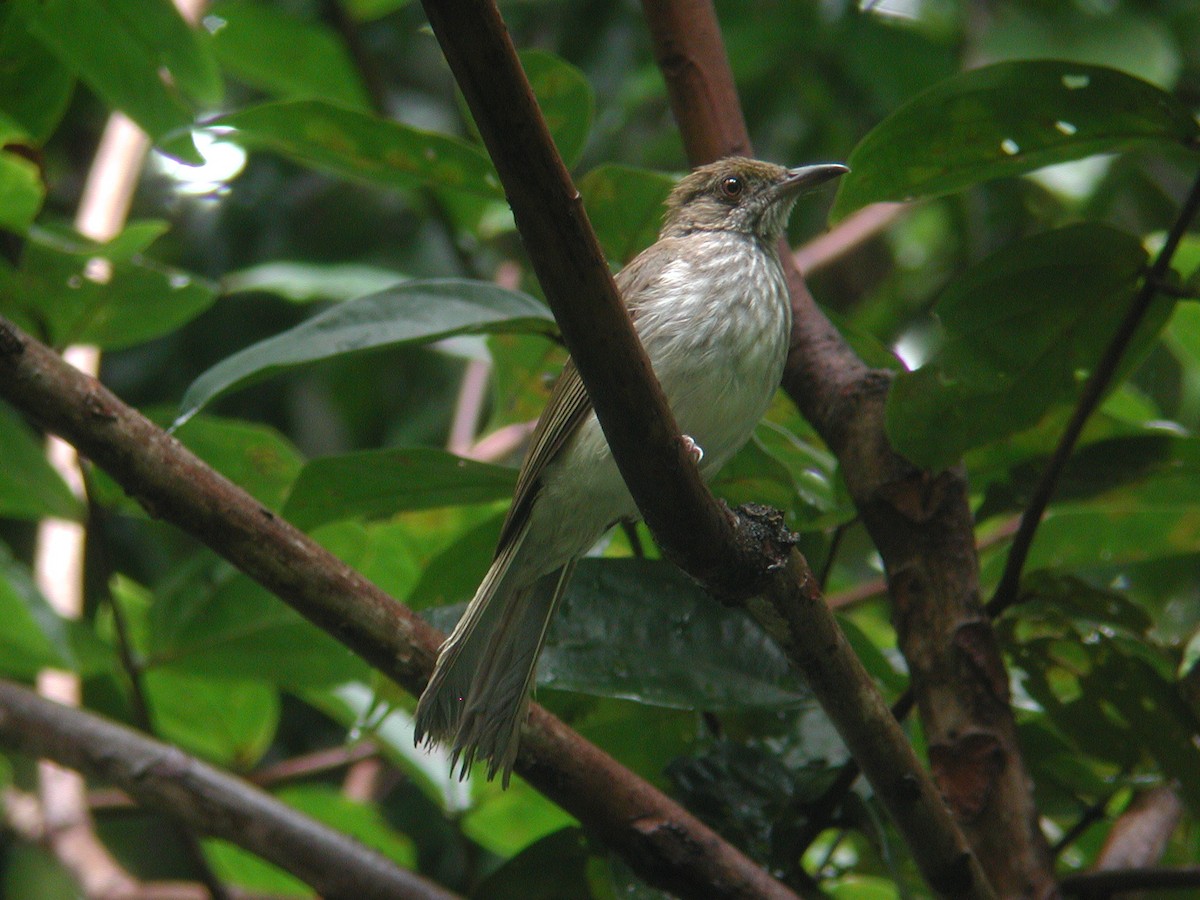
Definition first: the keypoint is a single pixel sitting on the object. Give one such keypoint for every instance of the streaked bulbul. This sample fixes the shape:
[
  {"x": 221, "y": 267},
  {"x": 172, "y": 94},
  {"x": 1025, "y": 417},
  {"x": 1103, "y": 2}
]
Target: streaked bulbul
[{"x": 710, "y": 305}]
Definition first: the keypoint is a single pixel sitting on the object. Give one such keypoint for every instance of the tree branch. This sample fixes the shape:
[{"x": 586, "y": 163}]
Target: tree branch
[
  {"x": 920, "y": 521},
  {"x": 1097, "y": 384},
  {"x": 732, "y": 557},
  {"x": 662, "y": 842},
  {"x": 204, "y": 798}
]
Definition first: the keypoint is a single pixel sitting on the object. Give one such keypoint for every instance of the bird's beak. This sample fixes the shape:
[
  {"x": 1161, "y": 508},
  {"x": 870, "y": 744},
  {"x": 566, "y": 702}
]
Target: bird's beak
[{"x": 806, "y": 177}]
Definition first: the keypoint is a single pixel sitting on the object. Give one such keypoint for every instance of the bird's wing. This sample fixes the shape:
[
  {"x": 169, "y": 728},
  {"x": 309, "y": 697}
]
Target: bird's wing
[{"x": 569, "y": 405}]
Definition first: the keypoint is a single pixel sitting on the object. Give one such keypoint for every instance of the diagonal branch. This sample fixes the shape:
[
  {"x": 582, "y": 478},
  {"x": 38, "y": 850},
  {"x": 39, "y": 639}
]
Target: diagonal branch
[
  {"x": 733, "y": 557},
  {"x": 1097, "y": 384},
  {"x": 661, "y": 841},
  {"x": 204, "y": 797},
  {"x": 920, "y": 521}
]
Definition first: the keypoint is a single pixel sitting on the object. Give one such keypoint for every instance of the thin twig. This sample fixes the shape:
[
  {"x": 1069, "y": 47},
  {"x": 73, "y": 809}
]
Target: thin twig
[{"x": 1094, "y": 388}]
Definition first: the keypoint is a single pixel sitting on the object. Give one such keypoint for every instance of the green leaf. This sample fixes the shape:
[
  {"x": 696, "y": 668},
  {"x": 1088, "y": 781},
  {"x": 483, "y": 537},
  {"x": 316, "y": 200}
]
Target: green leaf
[
  {"x": 1003, "y": 120},
  {"x": 1096, "y": 469},
  {"x": 362, "y": 822},
  {"x": 304, "y": 282},
  {"x": 555, "y": 866},
  {"x": 363, "y": 147},
  {"x": 235, "y": 866},
  {"x": 414, "y": 312},
  {"x": 228, "y": 722},
  {"x": 52, "y": 294},
  {"x": 115, "y": 46},
  {"x": 21, "y": 192},
  {"x": 29, "y": 486},
  {"x": 214, "y": 622},
  {"x": 1019, "y": 326},
  {"x": 284, "y": 56},
  {"x": 625, "y": 206},
  {"x": 1150, "y": 519},
  {"x": 34, "y": 636},
  {"x": 35, "y": 87},
  {"x": 380, "y": 483},
  {"x": 454, "y": 574},
  {"x": 565, "y": 98},
  {"x": 693, "y": 653},
  {"x": 507, "y": 821}
]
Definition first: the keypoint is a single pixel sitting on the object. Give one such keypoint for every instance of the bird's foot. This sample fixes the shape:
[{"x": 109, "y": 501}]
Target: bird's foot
[{"x": 694, "y": 450}]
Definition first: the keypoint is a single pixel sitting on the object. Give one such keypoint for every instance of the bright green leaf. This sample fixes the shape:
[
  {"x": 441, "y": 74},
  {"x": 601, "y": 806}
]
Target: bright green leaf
[
  {"x": 364, "y": 823},
  {"x": 220, "y": 623},
  {"x": 228, "y": 722},
  {"x": 33, "y": 636},
  {"x": 304, "y": 282},
  {"x": 21, "y": 192},
  {"x": 362, "y": 147},
  {"x": 283, "y": 55},
  {"x": 413, "y": 312},
  {"x": 1004, "y": 120},
  {"x": 565, "y": 98},
  {"x": 380, "y": 483},
  {"x": 29, "y": 486},
  {"x": 52, "y": 295},
  {"x": 235, "y": 866}
]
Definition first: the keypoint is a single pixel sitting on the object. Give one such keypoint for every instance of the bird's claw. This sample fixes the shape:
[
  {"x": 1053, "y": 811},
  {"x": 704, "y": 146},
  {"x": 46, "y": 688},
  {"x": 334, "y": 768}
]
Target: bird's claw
[{"x": 694, "y": 450}]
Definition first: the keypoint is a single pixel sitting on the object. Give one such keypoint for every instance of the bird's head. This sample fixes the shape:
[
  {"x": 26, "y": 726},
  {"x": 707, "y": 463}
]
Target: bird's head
[{"x": 742, "y": 195}]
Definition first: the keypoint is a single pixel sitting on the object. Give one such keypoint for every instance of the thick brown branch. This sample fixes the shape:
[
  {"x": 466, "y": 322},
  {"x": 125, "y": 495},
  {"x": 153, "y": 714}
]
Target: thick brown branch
[
  {"x": 920, "y": 522},
  {"x": 660, "y": 840},
  {"x": 692, "y": 528},
  {"x": 204, "y": 798}
]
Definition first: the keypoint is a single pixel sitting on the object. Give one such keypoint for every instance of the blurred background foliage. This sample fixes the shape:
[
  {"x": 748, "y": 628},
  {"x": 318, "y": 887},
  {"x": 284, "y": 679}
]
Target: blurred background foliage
[{"x": 339, "y": 163}]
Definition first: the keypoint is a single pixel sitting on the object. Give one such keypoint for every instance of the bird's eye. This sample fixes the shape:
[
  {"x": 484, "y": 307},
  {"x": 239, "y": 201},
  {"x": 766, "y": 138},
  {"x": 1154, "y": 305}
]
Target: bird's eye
[{"x": 732, "y": 187}]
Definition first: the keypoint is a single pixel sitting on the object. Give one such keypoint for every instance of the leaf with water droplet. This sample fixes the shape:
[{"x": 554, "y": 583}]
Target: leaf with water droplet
[{"x": 1004, "y": 120}]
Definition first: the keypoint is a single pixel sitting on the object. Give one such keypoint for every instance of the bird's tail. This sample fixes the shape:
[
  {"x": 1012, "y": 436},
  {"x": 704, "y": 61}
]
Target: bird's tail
[{"x": 479, "y": 693}]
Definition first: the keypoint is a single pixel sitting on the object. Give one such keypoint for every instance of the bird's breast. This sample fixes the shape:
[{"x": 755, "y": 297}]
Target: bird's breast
[{"x": 716, "y": 330}]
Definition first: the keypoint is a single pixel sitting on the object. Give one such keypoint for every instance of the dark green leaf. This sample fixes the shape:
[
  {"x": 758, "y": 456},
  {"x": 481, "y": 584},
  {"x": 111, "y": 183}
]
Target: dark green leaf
[
  {"x": 375, "y": 484},
  {"x": 52, "y": 294},
  {"x": 1019, "y": 327},
  {"x": 283, "y": 55},
  {"x": 414, "y": 312},
  {"x": 35, "y": 87},
  {"x": 692, "y": 653},
  {"x": 1004, "y": 120},
  {"x": 565, "y": 98},
  {"x": 363, "y": 147},
  {"x": 111, "y": 45},
  {"x": 227, "y": 722},
  {"x": 750, "y": 795},
  {"x": 553, "y": 868},
  {"x": 625, "y": 206},
  {"x": 29, "y": 486},
  {"x": 1098, "y": 468},
  {"x": 21, "y": 192}
]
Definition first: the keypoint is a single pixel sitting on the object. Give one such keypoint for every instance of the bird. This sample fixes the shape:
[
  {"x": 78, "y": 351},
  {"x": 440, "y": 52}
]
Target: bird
[{"x": 710, "y": 304}]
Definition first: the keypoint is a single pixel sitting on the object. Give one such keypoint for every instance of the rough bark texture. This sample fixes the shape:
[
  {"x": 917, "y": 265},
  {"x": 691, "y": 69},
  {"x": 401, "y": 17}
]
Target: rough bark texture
[
  {"x": 205, "y": 798},
  {"x": 919, "y": 520}
]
